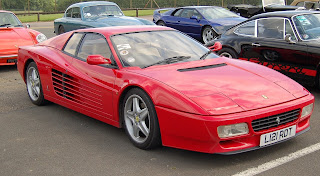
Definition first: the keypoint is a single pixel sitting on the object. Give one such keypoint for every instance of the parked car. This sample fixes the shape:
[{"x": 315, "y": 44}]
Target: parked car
[
  {"x": 248, "y": 10},
  {"x": 165, "y": 88},
  {"x": 12, "y": 35},
  {"x": 285, "y": 41},
  {"x": 200, "y": 22},
  {"x": 94, "y": 14},
  {"x": 308, "y": 4}
]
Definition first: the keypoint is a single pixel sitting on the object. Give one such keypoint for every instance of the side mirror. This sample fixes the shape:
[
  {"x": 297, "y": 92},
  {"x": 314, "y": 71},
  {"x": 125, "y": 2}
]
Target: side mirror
[
  {"x": 216, "y": 47},
  {"x": 194, "y": 17},
  {"x": 27, "y": 25},
  {"x": 288, "y": 39},
  {"x": 97, "y": 60}
]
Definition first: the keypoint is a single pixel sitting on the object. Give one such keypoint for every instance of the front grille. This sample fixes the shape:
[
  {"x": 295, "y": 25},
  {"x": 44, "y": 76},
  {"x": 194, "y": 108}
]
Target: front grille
[{"x": 275, "y": 121}]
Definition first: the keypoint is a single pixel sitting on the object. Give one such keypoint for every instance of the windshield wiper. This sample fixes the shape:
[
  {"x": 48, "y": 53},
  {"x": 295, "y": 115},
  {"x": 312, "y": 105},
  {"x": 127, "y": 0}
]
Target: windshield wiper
[
  {"x": 203, "y": 57},
  {"x": 169, "y": 60},
  {"x": 2, "y": 25}
]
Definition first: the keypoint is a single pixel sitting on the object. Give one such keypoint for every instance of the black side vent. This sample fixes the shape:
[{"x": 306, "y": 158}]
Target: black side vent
[
  {"x": 201, "y": 68},
  {"x": 70, "y": 88}
]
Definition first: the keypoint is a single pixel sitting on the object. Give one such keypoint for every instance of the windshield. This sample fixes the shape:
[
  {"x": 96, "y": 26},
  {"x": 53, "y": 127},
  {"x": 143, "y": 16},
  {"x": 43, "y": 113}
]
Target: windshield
[
  {"x": 148, "y": 48},
  {"x": 8, "y": 19},
  {"x": 101, "y": 10},
  {"x": 308, "y": 26},
  {"x": 273, "y": 2},
  {"x": 216, "y": 13}
]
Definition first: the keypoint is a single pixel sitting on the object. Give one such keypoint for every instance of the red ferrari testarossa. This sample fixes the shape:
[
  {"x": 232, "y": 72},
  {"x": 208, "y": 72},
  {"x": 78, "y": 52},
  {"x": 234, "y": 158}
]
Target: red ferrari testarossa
[
  {"x": 164, "y": 88},
  {"x": 12, "y": 35}
]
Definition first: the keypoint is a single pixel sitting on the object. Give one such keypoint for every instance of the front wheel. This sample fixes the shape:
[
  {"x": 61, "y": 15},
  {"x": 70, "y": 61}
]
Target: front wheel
[
  {"x": 227, "y": 52},
  {"x": 34, "y": 86},
  {"x": 208, "y": 35},
  {"x": 140, "y": 120},
  {"x": 161, "y": 23}
]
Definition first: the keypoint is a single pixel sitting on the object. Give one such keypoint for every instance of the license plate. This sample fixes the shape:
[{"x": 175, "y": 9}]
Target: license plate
[
  {"x": 12, "y": 61},
  {"x": 277, "y": 136}
]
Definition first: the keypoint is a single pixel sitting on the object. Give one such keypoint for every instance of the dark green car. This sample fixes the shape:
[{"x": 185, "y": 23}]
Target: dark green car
[{"x": 94, "y": 14}]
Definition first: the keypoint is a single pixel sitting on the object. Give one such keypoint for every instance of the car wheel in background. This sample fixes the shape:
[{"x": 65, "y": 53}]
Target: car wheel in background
[
  {"x": 61, "y": 30},
  {"x": 270, "y": 55},
  {"x": 140, "y": 120},
  {"x": 34, "y": 86},
  {"x": 161, "y": 23},
  {"x": 227, "y": 52},
  {"x": 208, "y": 34}
]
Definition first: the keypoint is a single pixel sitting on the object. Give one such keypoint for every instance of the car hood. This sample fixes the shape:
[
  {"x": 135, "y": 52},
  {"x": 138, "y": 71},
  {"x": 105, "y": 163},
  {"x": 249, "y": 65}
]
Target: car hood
[
  {"x": 12, "y": 38},
  {"x": 117, "y": 21},
  {"x": 220, "y": 84},
  {"x": 222, "y": 24}
]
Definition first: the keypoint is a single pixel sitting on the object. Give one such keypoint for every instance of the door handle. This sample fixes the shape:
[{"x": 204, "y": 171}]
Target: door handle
[{"x": 255, "y": 44}]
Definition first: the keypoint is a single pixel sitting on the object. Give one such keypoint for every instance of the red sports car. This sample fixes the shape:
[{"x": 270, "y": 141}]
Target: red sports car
[
  {"x": 165, "y": 88},
  {"x": 12, "y": 35}
]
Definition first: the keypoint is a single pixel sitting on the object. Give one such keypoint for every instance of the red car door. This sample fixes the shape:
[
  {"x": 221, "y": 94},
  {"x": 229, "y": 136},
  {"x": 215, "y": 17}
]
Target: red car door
[{"x": 90, "y": 87}]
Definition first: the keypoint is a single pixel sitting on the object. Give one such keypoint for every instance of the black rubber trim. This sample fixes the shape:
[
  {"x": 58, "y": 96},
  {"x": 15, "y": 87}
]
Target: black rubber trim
[{"x": 202, "y": 68}]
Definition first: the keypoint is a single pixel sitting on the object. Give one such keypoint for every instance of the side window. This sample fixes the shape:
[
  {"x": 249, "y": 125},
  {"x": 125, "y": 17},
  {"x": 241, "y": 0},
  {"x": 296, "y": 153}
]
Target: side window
[
  {"x": 187, "y": 13},
  {"x": 178, "y": 12},
  {"x": 197, "y": 14},
  {"x": 300, "y": 4},
  {"x": 76, "y": 12},
  {"x": 289, "y": 30},
  {"x": 271, "y": 28},
  {"x": 68, "y": 14},
  {"x": 94, "y": 44},
  {"x": 246, "y": 29},
  {"x": 71, "y": 46}
]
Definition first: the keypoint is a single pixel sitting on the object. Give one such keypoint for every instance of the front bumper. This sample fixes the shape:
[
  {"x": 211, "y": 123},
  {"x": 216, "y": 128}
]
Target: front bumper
[
  {"x": 199, "y": 133},
  {"x": 8, "y": 59}
]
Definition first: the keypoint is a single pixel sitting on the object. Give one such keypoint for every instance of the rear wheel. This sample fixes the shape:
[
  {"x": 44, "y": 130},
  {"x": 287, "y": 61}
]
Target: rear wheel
[
  {"x": 61, "y": 30},
  {"x": 227, "y": 52},
  {"x": 140, "y": 120},
  {"x": 34, "y": 86}
]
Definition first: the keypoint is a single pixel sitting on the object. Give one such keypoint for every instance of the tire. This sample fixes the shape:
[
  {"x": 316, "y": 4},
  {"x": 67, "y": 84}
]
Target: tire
[
  {"x": 140, "y": 120},
  {"x": 208, "y": 34},
  {"x": 33, "y": 83},
  {"x": 161, "y": 23},
  {"x": 227, "y": 52},
  {"x": 270, "y": 55},
  {"x": 61, "y": 30}
]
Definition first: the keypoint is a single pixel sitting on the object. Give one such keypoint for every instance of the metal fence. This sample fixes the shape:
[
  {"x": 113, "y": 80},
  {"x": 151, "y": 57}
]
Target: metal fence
[{"x": 179, "y": 3}]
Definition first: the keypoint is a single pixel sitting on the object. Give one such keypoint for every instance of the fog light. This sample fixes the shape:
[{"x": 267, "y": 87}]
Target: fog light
[
  {"x": 306, "y": 110},
  {"x": 232, "y": 130}
]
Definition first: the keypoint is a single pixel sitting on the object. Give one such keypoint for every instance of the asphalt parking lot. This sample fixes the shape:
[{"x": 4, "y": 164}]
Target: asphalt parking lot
[{"x": 53, "y": 140}]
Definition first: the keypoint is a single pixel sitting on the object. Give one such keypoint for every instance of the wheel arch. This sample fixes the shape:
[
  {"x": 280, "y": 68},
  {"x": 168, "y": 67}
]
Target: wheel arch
[
  {"x": 229, "y": 47},
  {"x": 121, "y": 99},
  {"x": 28, "y": 61},
  {"x": 207, "y": 25}
]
